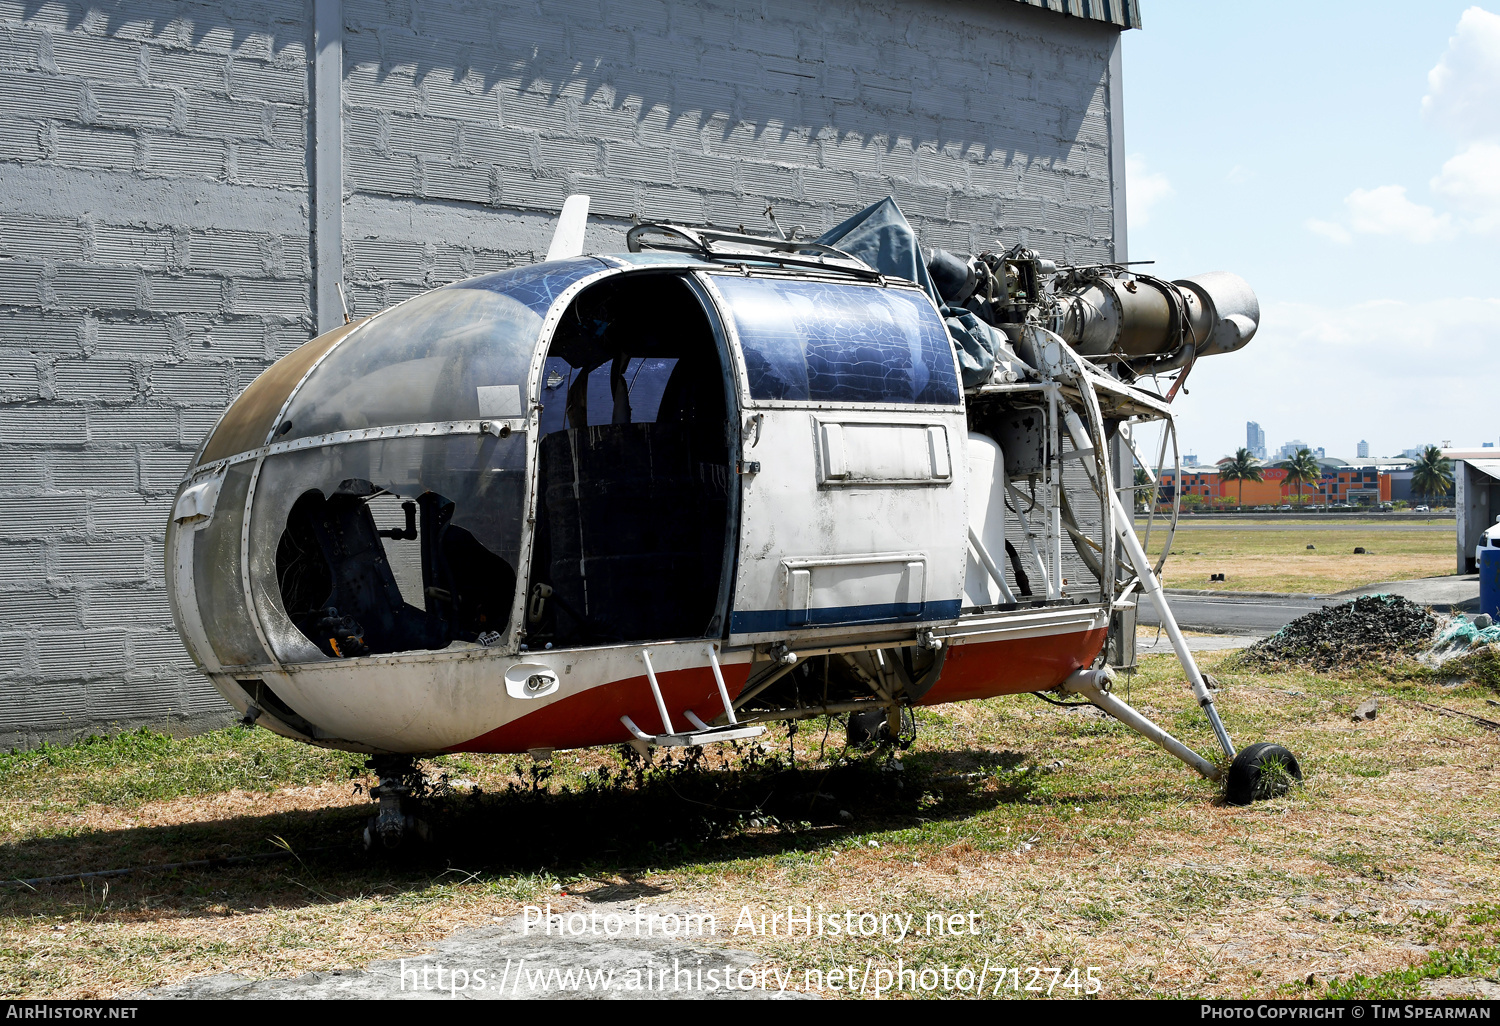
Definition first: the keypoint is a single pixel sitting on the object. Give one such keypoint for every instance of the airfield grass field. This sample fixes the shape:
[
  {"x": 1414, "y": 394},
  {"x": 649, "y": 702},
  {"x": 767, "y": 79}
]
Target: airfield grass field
[
  {"x": 1079, "y": 843},
  {"x": 1275, "y": 557}
]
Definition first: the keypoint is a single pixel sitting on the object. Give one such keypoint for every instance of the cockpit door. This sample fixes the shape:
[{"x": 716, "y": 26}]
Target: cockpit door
[
  {"x": 633, "y": 471},
  {"x": 852, "y": 470}
]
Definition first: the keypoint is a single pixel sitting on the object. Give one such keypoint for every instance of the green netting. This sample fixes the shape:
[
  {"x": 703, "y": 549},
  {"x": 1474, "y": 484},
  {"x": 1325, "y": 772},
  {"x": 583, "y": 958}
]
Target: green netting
[{"x": 1459, "y": 634}]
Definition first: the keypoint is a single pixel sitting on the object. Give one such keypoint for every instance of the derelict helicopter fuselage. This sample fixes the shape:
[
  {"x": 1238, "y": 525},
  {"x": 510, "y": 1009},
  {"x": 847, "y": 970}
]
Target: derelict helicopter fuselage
[{"x": 669, "y": 495}]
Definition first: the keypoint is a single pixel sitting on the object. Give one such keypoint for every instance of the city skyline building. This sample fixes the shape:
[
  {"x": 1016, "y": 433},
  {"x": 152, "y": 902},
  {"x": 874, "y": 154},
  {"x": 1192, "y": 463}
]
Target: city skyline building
[
  {"x": 1362, "y": 450},
  {"x": 1291, "y": 448},
  {"x": 1255, "y": 440}
]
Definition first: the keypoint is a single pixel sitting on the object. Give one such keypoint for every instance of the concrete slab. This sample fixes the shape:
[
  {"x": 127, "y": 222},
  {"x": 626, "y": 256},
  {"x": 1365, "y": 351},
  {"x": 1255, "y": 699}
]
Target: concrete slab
[
  {"x": 1158, "y": 644},
  {"x": 605, "y": 950},
  {"x": 1445, "y": 594}
]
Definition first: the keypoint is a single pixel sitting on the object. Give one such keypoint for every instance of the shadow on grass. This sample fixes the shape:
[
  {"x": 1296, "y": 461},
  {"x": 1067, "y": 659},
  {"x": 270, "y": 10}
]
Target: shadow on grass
[{"x": 620, "y": 822}]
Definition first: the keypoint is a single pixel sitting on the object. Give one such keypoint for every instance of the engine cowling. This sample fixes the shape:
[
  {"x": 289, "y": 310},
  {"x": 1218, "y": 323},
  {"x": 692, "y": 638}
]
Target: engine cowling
[{"x": 1142, "y": 317}]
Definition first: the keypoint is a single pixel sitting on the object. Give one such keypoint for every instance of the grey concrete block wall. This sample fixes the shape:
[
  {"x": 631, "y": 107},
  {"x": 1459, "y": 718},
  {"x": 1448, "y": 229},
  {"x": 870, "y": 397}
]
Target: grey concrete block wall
[
  {"x": 154, "y": 258},
  {"x": 465, "y": 127},
  {"x": 157, "y": 204}
]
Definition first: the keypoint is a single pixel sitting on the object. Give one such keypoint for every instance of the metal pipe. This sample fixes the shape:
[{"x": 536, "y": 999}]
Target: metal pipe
[
  {"x": 990, "y": 566},
  {"x": 661, "y": 705},
  {"x": 713, "y": 660},
  {"x": 1054, "y": 495},
  {"x": 1154, "y": 477},
  {"x": 852, "y": 658},
  {"x": 1083, "y": 445},
  {"x": 1152, "y": 587},
  {"x": 1170, "y": 429},
  {"x": 1087, "y": 684},
  {"x": 771, "y": 678},
  {"x": 808, "y": 712},
  {"x": 1102, "y": 471},
  {"x": 1036, "y": 552},
  {"x": 1082, "y": 542},
  {"x": 640, "y": 734}
]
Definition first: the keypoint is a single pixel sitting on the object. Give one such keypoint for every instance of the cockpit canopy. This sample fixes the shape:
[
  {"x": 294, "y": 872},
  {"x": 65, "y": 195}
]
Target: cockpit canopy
[{"x": 373, "y": 491}]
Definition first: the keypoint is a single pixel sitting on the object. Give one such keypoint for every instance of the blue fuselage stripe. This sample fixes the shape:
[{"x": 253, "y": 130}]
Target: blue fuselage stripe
[{"x": 770, "y": 621}]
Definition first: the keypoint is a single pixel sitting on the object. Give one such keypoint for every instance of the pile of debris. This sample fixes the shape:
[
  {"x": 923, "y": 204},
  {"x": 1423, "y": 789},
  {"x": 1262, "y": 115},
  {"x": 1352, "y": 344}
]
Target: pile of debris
[
  {"x": 1459, "y": 634},
  {"x": 1467, "y": 650},
  {"x": 1371, "y": 627}
]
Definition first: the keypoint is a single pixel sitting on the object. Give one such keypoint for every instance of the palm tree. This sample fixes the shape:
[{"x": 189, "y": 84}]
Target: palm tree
[
  {"x": 1301, "y": 469},
  {"x": 1432, "y": 475},
  {"x": 1241, "y": 467},
  {"x": 1144, "y": 487}
]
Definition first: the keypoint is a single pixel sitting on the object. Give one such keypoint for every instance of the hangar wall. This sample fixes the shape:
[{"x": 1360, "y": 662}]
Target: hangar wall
[{"x": 161, "y": 214}]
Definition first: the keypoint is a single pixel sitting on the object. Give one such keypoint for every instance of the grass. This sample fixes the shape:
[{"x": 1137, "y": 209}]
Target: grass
[
  {"x": 1075, "y": 842},
  {"x": 143, "y": 766},
  {"x": 1279, "y": 560},
  {"x": 1398, "y": 984}
]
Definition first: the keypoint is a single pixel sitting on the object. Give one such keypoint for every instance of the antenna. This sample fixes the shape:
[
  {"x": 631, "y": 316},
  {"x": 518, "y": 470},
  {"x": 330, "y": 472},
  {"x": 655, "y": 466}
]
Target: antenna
[{"x": 567, "y": 240}]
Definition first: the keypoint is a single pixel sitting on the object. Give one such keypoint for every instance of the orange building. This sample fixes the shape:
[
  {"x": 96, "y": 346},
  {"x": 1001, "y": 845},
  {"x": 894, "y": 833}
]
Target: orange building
[{"x": 1351, "y": 485}]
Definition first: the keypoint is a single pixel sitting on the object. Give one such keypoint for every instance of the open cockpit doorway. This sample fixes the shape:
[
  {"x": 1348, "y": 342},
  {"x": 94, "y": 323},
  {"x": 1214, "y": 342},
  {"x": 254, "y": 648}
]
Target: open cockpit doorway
[{"x": 634, "y": 470}]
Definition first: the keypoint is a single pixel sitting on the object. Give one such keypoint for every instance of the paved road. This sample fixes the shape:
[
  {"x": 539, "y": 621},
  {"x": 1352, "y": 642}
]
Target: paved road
[
  {"x": 1228, "y": 613},
  {"x": 1441, "y": 593}
]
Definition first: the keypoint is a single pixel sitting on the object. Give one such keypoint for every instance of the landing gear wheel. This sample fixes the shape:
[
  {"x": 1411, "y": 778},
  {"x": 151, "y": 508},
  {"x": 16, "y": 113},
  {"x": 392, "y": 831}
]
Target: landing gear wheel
[
  {"x": 868, "y": 728},
  {"x": 394, "y": 835},
  {"x": 1262, "y": 770},
  {"x": 395, "y": 820}
]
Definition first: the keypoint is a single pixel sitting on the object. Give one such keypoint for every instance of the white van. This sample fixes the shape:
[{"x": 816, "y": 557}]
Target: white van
[{"x": 1490, "y": 539}]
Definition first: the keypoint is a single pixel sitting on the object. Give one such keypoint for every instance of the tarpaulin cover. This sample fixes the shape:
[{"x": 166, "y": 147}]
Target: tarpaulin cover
[{"x": 881, "y": 237}]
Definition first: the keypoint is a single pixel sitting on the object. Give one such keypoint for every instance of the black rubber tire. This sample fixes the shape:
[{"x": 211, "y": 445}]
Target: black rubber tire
[
  {"x": 1249, "y": 779},
  {"x": 870, "y": 728},
  {"x": 867, "y": 728}
]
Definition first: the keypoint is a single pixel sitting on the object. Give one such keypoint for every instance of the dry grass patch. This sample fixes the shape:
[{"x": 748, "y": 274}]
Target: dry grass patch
[
  {"x": 1279, "y": 560},
  {"x": 1076, "y": 842}
]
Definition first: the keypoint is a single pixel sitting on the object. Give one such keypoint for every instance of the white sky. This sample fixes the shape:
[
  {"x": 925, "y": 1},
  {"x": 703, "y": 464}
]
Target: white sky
[{"x": 1345, "y": 159}]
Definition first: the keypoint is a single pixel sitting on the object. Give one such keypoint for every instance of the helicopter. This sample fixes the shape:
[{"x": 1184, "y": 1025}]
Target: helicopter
[{"x": 667, "y": 496}]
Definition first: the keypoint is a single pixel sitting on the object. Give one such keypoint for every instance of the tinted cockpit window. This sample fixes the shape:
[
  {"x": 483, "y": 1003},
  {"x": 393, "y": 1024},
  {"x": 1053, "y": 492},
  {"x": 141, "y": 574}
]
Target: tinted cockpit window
[
  {"x": 623, "y": 390},
  {"x": 831, "y": 342},
  {"x": 636, "y": 351}
]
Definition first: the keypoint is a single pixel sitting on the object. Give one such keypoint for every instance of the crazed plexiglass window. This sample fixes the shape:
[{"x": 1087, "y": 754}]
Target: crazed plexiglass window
[
  {"x": 378, "y": 545},
  {"x": 456, "y": 353},
  {"x": 389, "y": 545},
  {"x": 825, "y": 341}
]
